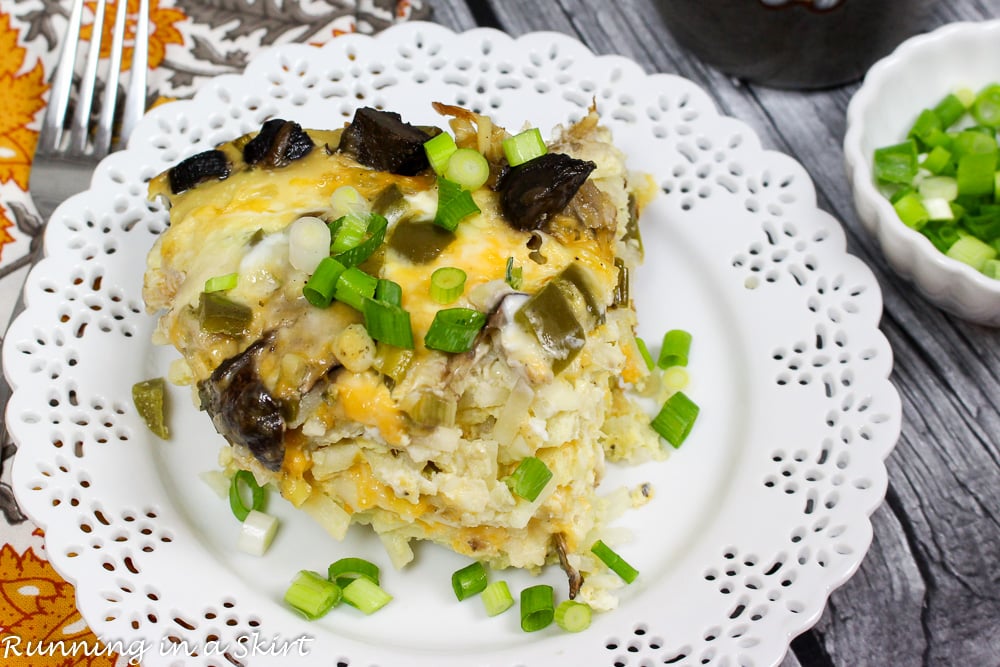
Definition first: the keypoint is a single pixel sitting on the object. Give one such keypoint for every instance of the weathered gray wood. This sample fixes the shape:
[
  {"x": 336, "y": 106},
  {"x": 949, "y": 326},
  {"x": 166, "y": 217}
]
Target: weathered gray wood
[{"x": 928, "y": 592}]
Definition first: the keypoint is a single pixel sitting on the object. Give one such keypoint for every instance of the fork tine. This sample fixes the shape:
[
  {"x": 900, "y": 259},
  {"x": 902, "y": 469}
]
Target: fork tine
[
  {"x": 102, "y": 136},
  {"x": 135, "y": 96},
  {"x": 79, "y": 128},
  {"x": 55, "y": 113}
]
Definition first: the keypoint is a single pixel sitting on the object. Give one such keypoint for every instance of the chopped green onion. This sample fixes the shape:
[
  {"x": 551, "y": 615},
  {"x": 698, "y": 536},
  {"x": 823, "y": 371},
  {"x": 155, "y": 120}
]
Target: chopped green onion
[
  {"x": 524, "y": 147},
  {"x": 675, "y": 350},
  {"x": 454, "y": 204},
  {"x": 938, "y": 160},
  {"x": 675, "y": 378},
  {"x": 375, "y": 231},
  {"x": 896, "y": 163},
  {"x": 644, "y": 351},
  {"x": 447, "y": 284},
  {"x": 938, "y": 187},
  {"x": 321, "y": 286},
  {"x": 537, "y": 607},
  {"x": 346, "y": 570},
  {"x": 514, "y": 275},
  {"x": 439, "y": 150},
  {"x": 975, "y": 173},
  {"x": 346, "y": 200},
  {"x": 388, "y": 323},
  {"x": 348, "y": 231},
  {"x": 928, "y": 129},
  {"x": 149, "y": 398},
  {"x": 529, "y": 478},
  {"x": 454, "y": 329},
  {"x": 222, "y": 283},
  {"x": 573, "y": 616},
  {"x": 950, "y": 109},
  {"x": 468, "y": 168},
  {"x": 311, "y": 595},
  {"x": 970, "y": 250},
  {"x": 354, "y": 286},
  {"x": 938, "y": 209},
  {"x": 366, "y": 595},
  {"x": 246, "y": 479},
  {"x": 676, "y": 418},
  {"x": 257, "y": 533},
  {"x": 991, "y": 268},
  {"x": 308, "y": 243},
  {"x": 986, "y": 108},
  {"x": 941, "y": 234},
  {"x": 469, "y": 580},
  {"x": 388, "y": 291},
  {"x": 910, "y": 209},
  {"x": 497, "y": 598},
  {"x": 616, "y": 563}
]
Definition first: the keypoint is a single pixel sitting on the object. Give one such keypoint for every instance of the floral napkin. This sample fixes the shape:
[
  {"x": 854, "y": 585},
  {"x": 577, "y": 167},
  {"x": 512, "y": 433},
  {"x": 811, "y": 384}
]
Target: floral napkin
[{"x": 190, "y": 41}]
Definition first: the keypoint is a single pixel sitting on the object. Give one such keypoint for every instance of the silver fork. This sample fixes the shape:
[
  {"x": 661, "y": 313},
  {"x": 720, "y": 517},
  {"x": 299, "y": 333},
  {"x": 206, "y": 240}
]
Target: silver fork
[{"x": 66, "y": 155}]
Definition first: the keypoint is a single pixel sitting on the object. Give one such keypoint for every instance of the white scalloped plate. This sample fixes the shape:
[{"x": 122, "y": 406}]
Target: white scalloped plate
[{"x": 760, "y": 514}]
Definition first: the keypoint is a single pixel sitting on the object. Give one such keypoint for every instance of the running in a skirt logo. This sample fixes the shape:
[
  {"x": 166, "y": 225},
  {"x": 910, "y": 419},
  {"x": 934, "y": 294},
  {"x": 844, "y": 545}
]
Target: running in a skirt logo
[{"x": 247, "y": 646}]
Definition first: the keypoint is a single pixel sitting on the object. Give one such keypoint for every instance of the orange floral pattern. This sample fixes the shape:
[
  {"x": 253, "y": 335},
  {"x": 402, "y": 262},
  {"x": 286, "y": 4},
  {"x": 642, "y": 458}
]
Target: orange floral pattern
[
  {"x": 162, "y": 30},
  {"x": 37, "y": 605}
]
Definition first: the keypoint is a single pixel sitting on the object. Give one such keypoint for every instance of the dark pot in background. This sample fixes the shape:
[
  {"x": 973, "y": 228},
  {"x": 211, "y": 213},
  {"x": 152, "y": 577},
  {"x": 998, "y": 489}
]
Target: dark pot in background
[{"x": 799, "y": 44}]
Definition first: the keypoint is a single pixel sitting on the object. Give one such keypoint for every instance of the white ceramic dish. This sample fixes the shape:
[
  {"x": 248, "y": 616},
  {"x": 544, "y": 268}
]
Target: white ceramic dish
[
  {"x": 760, "y": 514},
  {"x": 896, "y": 89}
]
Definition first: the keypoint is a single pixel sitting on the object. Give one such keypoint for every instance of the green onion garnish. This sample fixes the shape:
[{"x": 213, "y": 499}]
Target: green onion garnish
[
  {"x": 454, "y": 204},
  {"x": 388, "y": 291},
  {"x": 354, "y": 286},
  {"x": 346, "y": 570},
  {"x": 388, "y": 323},
  {"x": 514, "y": 275},
  {"x": 240, "y": 509},
  {"x": 322, "y": 284},
  {"x": 346, "y": 200},
  {"x": 676, "y": 418},
  {"x": 447, "y": 284},
  {"x": 469, "y": 581},
  {"x": 529, "y": 478},
  {"x": 676, "y": 346},
  {"x": 986, "y": 108},
  {"x": 257, "y": 533},
  {"x": 911, "y": 210},
  {"x": 439, "y": 150},
  {"x": 454, "y": 329},
  {"x": 573, "y": 616},
  {"x": 615, "y": 562},
  {"x": 366, "y": 248},
  {"x": 366, "y": 595},
  {"x": 497, "y": 598},
  {"x": 311, "y": 595},
  {"x": 644, "y": 351},
  {"x": 537, "y": 607},
  {"x": 221, "y": 283},
  {"x": 896, "y": 163},
  {"x": 524, "y": 147},
  {"x": 348, "y": 231},
  {"x": 468, "y": 168},
  {"x": 970, "y": 250}
]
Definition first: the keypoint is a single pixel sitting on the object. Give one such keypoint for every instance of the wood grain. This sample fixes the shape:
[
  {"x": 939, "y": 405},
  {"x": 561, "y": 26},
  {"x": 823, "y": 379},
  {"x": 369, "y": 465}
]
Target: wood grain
[{"x": 928, "y": 592}]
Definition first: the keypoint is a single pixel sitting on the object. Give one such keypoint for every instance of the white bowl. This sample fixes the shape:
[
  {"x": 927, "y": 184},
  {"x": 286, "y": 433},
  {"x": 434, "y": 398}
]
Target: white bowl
[{"x": 896, "y": 89}]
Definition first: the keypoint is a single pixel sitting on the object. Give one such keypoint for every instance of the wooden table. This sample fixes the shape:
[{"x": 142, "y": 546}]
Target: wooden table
[{"x": 928, "y": 592}]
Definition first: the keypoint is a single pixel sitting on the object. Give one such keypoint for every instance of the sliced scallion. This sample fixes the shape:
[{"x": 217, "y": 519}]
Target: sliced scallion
[
  {"x": 469, "y": 580},
  {"x": 312, "y": 595},
  {"x": 388, "y": 291},
  {"x": 497, "y": 598},
  {"x": 675, "y": 350},
  {"x": 970, "y": 250},
  {"x": 308, "y": 243},
  {"x": 454, "y": 329},
  {"x": 644, "y": 351},
  {"x": 366, "y": 595},
  {"x": 388, "y": 323},
  {"x": 257, "y": 533},
  {"x": 346, "y": 570},
  {"x": 537, "y": 607},
  {"x": 348, "y": 231},
  {"x": 245, "y": 479},
  {"x": 468, "y": 168},
  {"x": 346, "y": 200},
  {"x": 514, "y": 275},
  {"x": 986, "y": 108},
  {"x": 439, "y": 150},
  {"x": 375, "y": 235},
  {"x": 615, "y": 563},
  {"x": 222, "y": 283},
  {"x": 675, "y": 419},
  {"x": 447, "y": 284},
  {"x": 524, "y": 147},
  {"x": 354, "y": 286},
  {"x": 573, "y": 616},
  {"x": 454, "y": 204},
  {"x": 529, "y": 478},
  {"x": 896, "y": 163},
  {"x": 320, "y": 287}
]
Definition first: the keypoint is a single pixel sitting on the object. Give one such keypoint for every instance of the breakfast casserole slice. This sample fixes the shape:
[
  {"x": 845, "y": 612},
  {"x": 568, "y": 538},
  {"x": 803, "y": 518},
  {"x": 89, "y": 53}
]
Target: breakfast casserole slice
[{"x": 456, "y": 381}]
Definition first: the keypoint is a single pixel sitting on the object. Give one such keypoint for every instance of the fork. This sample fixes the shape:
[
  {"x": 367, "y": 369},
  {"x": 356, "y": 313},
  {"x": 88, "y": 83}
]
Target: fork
[{"x": 66, "y": 154}]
